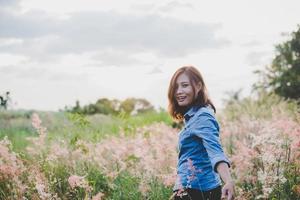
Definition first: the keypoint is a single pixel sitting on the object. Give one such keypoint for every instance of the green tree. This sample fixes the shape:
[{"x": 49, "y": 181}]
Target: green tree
[
  {"x": 90, "y": 109},
  {"x": 283, "y": 75},
  {"x": 105, "y": 106},
  {"x": 127, "y": 105},
  {"x": 4, "y": 100},
  {"x": 77, "y": 108},
  {"x": 113, "y": 107},
  {"x": 135, "y": 105},
  {"x": 143, "y": 105}
]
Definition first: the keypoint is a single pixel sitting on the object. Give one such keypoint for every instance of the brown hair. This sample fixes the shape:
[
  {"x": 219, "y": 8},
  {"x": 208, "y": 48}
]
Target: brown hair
[{"x": 201, "y": 98}]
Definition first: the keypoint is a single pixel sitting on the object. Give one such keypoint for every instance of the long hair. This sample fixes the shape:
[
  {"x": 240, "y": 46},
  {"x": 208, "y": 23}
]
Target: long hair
[{"x": 201, "y": 98}]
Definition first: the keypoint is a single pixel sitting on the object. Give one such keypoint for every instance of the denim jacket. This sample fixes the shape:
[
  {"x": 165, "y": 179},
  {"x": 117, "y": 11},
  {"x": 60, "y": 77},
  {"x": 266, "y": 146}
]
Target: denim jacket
[{"x": 199, "y": 150}]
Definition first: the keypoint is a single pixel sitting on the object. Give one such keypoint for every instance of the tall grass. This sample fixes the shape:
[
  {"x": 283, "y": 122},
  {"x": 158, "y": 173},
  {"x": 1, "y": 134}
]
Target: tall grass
[
  {"x": 262, "y": 138},
  {"x": 16, "y": 125},
  {"x": 135, "y": 157},
  {"x": 265, "y": 106},
  {"x": 117, "y": 167}
]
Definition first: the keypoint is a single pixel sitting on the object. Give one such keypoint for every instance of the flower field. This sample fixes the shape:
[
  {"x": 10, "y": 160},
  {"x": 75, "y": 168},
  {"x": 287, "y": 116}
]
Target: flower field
[{"x": 69, "y": 160}]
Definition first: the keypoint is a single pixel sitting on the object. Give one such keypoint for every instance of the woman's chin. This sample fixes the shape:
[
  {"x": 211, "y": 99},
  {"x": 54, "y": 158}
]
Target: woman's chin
[{"x": 181, "y": 104}]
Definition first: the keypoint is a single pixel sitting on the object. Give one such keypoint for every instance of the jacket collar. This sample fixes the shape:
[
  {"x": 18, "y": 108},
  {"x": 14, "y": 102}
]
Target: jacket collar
[{"x": 190, "y": 112}]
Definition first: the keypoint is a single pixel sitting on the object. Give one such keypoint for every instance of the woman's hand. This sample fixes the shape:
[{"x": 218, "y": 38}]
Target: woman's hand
[
  {"x": 228, "y": 191},
  {"x": 228, "y": 188}
]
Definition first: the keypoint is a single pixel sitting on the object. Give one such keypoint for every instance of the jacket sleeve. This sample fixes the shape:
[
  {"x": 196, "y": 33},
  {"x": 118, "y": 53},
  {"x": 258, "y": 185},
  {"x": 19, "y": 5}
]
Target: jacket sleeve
[{"x": 206, "y": 127}]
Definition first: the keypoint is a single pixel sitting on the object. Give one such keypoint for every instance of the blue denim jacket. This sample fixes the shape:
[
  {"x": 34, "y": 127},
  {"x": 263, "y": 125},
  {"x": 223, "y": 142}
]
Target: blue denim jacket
[{"x": 200, "y": 151}]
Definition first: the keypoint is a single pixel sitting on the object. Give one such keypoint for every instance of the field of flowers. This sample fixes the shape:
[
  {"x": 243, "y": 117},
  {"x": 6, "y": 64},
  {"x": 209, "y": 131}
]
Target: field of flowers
[{"x": 72, "y": 157}]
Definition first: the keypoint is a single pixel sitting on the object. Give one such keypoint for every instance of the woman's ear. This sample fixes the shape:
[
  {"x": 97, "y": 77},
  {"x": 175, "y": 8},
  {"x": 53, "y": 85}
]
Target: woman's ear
[{"x": 198, "y": 87}]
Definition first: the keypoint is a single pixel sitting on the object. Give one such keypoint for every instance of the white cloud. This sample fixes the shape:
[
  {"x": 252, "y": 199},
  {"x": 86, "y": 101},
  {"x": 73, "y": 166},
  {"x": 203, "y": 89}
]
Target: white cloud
[
  {"x": 54, "y": 52},
  {"x": 9, "y": 3},
  {"x": 83, "y": 32},
  {"x": 155, "y": 70}
]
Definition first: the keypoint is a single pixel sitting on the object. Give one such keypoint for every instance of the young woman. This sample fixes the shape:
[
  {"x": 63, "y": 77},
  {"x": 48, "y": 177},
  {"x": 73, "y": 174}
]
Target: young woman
[{"x": 201, "y": 160}]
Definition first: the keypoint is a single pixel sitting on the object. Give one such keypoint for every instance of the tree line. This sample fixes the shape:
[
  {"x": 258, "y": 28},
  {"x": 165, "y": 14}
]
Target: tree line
[{"x": 107, "y": 106}]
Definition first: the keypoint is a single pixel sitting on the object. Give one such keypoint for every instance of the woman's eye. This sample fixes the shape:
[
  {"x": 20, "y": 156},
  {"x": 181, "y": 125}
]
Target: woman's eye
[{"x": 184, "y": 85}]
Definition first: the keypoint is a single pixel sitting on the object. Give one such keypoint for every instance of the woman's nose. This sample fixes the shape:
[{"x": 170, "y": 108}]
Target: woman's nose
[{"x": 178, "y": 91}]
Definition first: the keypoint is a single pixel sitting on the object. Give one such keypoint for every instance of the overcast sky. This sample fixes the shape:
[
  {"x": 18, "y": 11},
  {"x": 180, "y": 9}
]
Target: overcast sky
[{"x": 54, "y": 52}]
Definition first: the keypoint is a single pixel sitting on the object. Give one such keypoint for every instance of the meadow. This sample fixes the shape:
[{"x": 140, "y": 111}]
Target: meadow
[{"x": 59, "y": 155}]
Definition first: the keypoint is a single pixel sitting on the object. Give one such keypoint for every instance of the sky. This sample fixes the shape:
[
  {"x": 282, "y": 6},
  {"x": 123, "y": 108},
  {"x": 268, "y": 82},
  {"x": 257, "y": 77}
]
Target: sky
[{"x": 54, "y": 52}]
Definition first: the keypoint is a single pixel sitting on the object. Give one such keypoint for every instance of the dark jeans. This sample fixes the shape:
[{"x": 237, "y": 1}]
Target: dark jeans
[{"x": 194, "y": 194}]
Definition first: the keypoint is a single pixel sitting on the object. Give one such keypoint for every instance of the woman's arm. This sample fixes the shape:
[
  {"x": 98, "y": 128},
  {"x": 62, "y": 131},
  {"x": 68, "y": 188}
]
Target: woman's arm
[
  {"x": 207, "y": 128},
  {"x": 228, "y": 188}
]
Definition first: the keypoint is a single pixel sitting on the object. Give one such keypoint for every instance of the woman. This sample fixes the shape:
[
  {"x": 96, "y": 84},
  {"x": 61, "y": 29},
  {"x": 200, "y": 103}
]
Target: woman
[{"x": 201, "y": 160}]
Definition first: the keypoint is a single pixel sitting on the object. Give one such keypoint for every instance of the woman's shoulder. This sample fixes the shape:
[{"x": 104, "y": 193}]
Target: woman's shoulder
[
  {"x": 206, "y": 110},
  {"x": 205, "y": 117}
]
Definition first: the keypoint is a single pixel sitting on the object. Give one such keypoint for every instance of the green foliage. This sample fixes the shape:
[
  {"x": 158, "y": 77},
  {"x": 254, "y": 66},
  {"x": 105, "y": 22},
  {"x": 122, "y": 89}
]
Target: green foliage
[
  {"x": 158, "y": 190},
  {"x": 4, "y": 100},
  {"x": 8, "y": 190},
  {"x": 130, "y": 123},
  {"x": 58, "y": 176},
  {"x": 17, "y": 136},
  {"x": 283, "y": 75},
  {"x": 81, "y": 125},
  {"x": 148, "y": 118},
  {"x": 128, "y": 105},
  {"x": 10, "y": 114},
  {"x": 74, "y": 126},
  {"x": 259, "y": 107},
  {"x": 113, "y": 107},
  {"x": 265, "y": 106},
  {"x": 98, "y": 181},
  {"x": 126, "y": 187},
  {"x": 77, "y": 108},
  {"x": 79, "y": 120},
  {"x": 287, "y": 190},
  {"x": 107, "y": 106},
  {"x": 16, "y": 126},
  {"x": 139, "y": 105}
]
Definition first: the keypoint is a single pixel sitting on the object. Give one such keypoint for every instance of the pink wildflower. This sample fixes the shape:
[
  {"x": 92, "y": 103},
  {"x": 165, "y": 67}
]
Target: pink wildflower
[
  {"x": 98, "y": 196},
  {"x": 36, "y": 121},
  {"x": 78, "y": 181},
  {"x": 193, "y": 170},
  {"x": 40, "y": 141}
]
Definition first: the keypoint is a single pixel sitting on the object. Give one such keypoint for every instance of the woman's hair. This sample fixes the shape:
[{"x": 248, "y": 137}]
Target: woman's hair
[{"x": 200, "y": 99}]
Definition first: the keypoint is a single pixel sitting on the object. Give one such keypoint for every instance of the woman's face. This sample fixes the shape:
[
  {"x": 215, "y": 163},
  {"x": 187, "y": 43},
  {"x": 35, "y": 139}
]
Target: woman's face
[{"x": 184, "y": 94}]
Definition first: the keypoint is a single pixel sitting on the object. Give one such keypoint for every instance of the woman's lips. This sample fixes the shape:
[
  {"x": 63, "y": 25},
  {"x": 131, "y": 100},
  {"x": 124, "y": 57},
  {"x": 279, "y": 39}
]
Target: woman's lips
[{"x": 181, "y": 99}]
